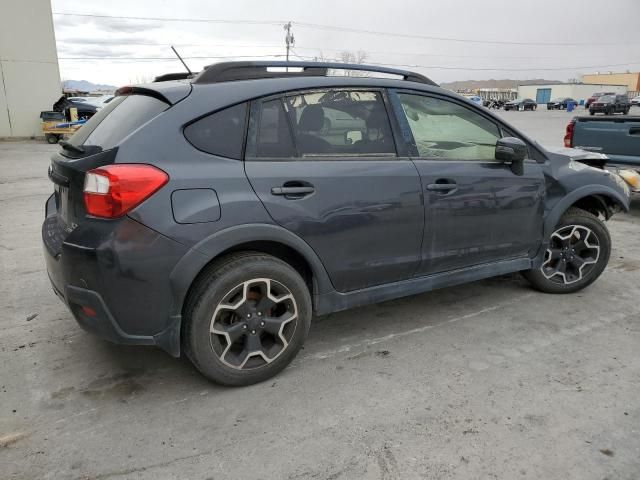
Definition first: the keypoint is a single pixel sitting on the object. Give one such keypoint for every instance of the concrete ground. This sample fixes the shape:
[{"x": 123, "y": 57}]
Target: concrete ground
[{"x": 487, "y": 381}]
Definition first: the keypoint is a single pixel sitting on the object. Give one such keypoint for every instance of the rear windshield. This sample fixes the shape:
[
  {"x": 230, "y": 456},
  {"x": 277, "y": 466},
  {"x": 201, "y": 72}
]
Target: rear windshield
[{"x": 117, "y": 120}]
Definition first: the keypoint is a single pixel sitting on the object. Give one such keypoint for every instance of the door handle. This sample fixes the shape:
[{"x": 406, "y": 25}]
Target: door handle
[
  {"x": 294, "y": 191},
  {"x": 634, "y": 131},
  {"x": 442, "y": 187}
]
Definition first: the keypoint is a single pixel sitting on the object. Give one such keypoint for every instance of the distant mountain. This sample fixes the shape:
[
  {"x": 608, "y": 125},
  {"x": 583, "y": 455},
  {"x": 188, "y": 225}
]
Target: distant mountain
[
  {"x": 472, "y": 84},
  {"x": 85, "y": 86}
]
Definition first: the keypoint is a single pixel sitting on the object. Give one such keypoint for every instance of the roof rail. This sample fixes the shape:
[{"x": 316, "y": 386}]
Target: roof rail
[
  {"x": 173, "y": 76},
  {"x": 249, "y": 70}
]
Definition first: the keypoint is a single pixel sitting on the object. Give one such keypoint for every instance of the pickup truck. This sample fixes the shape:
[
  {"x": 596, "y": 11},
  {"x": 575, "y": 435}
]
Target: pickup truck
[{"x": 617, "y": 137}]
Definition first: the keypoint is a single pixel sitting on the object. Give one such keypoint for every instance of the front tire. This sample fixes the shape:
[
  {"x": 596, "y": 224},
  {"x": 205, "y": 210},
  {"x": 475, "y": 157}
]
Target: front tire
[
  {"x": 578, "y": 252},
  {"x": 246, "y": 319}
]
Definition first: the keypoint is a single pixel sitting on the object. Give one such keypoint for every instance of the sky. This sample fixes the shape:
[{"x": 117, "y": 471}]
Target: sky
[{"x": 444, "y": 39}]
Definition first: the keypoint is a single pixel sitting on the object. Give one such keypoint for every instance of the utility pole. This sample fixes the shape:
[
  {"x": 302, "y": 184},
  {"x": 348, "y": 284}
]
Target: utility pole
[{"x": 288, "y": 39}]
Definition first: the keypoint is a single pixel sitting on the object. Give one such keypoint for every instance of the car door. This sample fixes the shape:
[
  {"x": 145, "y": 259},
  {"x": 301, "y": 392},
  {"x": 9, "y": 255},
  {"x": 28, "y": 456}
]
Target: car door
[
  {"x": 477, "y": 209},
  {"x": 324, "y": 164}
]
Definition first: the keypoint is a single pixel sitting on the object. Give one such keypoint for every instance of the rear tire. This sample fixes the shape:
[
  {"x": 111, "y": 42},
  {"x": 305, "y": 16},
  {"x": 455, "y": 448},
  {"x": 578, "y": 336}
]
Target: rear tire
[
  {"x": 246, "y": 319},
  {"x": 579, "y": 250},
  {"x": 52, "y": 138}
]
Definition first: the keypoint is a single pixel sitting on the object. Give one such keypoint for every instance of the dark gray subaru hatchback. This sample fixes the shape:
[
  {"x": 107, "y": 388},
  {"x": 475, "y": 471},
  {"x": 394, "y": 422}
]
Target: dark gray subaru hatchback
[{"x": 215, "y": 215}]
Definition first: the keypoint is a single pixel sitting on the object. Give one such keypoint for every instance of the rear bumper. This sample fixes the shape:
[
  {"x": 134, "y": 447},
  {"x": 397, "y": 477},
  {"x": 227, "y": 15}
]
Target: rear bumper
[
  {"x": 113, "y": 275},
  {"x": 99, "y": 321}
]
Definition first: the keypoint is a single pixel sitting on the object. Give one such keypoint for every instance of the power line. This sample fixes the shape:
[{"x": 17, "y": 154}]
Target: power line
[
  {"x": 337, "y": 28},
  {"x": 447, "y": 67},
  {"x": 450, "y": 39},
  {"x": 444, "y": 55},
  {"x": 404, "y": 65},
  {"x": 165, "y": 19},
  {"x": 97, "y": 41},
  {"x": 582, "y": 67},
  {"x": 318, "y": 49},
  {"x": 171, "y": 58}
]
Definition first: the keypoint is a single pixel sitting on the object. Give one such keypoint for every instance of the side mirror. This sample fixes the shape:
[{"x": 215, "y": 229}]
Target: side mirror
[{"x": 512, "y": 150}]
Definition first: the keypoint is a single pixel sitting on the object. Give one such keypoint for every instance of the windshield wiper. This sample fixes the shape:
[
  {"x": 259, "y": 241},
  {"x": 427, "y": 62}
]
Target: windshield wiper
[{"x": 70, "y": 146}]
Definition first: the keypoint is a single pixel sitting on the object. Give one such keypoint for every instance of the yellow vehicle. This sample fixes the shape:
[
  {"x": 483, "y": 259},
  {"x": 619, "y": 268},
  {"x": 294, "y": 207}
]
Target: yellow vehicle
[{"x": 55, "y": 126}]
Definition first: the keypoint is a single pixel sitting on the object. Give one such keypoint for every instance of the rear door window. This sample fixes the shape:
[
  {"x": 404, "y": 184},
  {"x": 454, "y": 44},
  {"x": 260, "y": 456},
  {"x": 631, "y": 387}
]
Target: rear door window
[
  {"x": 273, "y": 139},
  {"x": 119, "y": 118},
  {"x": 341, "y": 123},
  {"x": 221, "y": 133}
]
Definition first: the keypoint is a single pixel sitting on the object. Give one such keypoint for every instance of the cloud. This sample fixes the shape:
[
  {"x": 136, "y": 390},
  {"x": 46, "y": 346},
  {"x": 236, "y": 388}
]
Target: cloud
[
  {"x": 93, "y": 50},
  {"x": 124, "y": 26},
  {"x": 440, "y": 60},
  {"x": 117, "y": 40},
  {"x": 110, "y": 25},
  {"x": 64, "y": 22}
]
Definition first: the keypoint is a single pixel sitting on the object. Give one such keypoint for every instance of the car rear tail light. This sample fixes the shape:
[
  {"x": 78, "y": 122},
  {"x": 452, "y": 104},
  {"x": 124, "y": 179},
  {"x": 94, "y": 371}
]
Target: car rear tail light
[
  {"x": 568, "y": 136},
  {"x": 113, "y": 190}
]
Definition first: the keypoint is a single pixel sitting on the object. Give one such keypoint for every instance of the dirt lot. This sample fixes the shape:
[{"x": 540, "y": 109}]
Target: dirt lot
[{"x": 487, "y": 381}]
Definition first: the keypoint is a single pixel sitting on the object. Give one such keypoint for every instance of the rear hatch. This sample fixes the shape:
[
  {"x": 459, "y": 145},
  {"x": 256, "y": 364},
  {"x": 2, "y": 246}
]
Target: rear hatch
[{"x": 92, "y": 146}]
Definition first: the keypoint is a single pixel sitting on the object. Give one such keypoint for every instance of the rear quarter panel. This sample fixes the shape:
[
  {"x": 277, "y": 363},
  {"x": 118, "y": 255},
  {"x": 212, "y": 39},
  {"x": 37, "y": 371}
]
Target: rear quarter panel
[{"x": 162, "y": 143}]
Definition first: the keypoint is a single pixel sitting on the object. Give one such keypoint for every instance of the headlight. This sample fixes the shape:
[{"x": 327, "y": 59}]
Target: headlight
[{"x": 632, "y": 178}]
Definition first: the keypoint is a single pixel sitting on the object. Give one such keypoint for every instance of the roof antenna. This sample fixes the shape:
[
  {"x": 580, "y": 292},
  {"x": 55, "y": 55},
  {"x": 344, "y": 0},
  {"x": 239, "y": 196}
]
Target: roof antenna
[{"x": 180, "y": 58}]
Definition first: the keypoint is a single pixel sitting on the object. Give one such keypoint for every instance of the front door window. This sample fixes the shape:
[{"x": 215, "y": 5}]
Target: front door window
[{"x": 446, "y": 130}]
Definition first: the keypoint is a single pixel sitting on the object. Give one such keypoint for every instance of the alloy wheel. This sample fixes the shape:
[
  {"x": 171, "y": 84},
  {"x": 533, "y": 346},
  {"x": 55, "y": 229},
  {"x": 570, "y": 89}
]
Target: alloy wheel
[
  {"x": 253, "y": 324},
  {"x": 573, "y": 252}
]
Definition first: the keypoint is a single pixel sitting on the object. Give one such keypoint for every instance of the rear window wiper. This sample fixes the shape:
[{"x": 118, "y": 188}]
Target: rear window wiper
[{"x": 70, "y": 146}]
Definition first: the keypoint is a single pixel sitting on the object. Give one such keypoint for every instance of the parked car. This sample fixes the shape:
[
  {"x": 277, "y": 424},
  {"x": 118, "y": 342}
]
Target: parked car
[
  {"x": 215, "y": 216},
  {"x": 560, "y": 103},
  {"x": 494, "y": 103},
  {"x": 610, "y": 104},
  {"x": 85, "y": 109},
  {"x": 78, "y": 99},
  {"x": 474, "y": 98},
  {"x": 594, "y": 97},
  {"x": 521, "y": 104},
  {"x": 635, "y": 101},
  {"x": 617, "y": 138},
  {"x": 100, "y": 101}
]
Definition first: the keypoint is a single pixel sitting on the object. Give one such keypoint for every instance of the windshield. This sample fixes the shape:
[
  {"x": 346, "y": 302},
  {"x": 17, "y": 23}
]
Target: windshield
[{"x": 606, "y": 98}]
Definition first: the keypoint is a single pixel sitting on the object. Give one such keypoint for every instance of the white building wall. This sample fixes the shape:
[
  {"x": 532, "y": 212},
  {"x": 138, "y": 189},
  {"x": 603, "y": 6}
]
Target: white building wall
[
  {"x": 29, "y": 73},
  {"x": 576, "y": 91}
]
